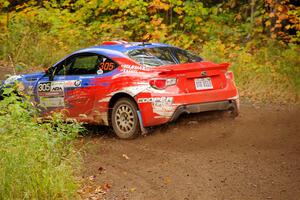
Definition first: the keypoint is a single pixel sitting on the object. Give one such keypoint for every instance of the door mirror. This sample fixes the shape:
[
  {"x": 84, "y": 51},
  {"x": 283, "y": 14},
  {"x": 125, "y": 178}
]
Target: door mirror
[{"x": 50, "y": 72}]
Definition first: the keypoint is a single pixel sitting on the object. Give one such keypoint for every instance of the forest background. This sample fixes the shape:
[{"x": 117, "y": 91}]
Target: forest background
[{"x": 260, "y": 38}]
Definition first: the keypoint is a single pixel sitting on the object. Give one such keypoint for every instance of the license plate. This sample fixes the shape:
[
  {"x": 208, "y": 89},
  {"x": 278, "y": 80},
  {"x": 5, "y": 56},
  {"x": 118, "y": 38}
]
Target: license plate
[{"x": 203, "y": 84}]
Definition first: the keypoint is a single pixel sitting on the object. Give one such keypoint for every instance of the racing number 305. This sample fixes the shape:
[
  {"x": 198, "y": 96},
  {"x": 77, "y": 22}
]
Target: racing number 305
[
  {"x": 107, "y": 65},
  {"x": 44, "y": 87}
]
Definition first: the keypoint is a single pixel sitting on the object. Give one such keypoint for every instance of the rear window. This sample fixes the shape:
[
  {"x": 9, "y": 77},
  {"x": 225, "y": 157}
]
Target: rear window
[{"x": 160, "y": 56}]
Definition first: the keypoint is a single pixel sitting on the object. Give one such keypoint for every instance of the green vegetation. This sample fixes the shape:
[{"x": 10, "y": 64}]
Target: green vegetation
[
  {"x": 259, "y": 37},
  {"x": 37, "y": 161}
]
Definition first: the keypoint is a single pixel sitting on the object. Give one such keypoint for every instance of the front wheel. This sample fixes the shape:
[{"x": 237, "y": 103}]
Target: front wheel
[{"x": 125, "y": 120}]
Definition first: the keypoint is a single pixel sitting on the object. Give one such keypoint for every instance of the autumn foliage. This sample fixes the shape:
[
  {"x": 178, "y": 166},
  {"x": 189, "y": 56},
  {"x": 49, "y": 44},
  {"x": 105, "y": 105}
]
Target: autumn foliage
[{"x": 266, "y": 32}]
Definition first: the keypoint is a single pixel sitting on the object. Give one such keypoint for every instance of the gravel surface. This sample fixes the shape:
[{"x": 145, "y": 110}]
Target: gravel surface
[{"x": 203, "y": 156}]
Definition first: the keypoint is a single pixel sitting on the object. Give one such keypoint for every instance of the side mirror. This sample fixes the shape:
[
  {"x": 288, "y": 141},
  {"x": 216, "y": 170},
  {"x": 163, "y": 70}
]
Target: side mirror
[{"x": 50, "y": 72}]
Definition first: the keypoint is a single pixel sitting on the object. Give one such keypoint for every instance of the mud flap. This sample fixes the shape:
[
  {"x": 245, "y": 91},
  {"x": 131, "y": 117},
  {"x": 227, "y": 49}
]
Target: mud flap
[{"x": 143, "y": 129}]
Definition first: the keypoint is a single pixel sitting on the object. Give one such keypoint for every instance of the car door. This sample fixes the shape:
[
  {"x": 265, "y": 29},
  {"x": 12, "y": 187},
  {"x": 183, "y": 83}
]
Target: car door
[{"x": 71, "y": 89}]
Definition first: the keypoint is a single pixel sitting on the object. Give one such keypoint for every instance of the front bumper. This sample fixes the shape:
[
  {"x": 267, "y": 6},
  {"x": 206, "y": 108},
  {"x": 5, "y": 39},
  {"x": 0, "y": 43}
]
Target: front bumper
[{"x": 202, "y": 107}]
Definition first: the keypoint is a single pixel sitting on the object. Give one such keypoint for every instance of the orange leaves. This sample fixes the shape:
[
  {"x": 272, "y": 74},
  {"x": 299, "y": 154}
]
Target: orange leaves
[
  {"x": 282, "y": 16},
  {"x": 272, "y": 14},
  {"x": 157, "y": 5}
]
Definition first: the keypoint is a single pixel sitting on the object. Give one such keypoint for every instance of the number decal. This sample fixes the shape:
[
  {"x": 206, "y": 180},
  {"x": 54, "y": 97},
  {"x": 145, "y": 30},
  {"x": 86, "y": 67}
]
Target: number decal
[
  {"x": 107, "y": 66},
  {"x": 44, "y": 87}
]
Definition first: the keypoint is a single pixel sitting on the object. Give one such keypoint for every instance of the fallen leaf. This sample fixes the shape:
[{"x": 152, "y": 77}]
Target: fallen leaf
[
  {"x": 125, "y": 156},
  {"x": 106, "y": 186},
  {"x": 92, "y": 178}
]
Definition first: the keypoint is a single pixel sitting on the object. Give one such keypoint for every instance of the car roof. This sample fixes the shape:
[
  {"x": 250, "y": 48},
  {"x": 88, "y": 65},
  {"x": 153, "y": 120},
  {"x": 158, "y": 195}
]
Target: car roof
[
  {"x": 115, "y": 49},
  {"x": 118, "y": 49}
]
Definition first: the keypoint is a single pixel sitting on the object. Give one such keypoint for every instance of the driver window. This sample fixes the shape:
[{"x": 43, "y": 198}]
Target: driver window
[
  {"x": 85, "y": 64},
  {"x": 64, "y": 67}
]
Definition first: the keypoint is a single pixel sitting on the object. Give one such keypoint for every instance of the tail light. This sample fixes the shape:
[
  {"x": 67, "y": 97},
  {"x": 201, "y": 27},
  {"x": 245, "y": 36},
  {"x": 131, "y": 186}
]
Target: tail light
[
  {"x": 229, "y": 75},
  {"x": 162, "y": 83}
]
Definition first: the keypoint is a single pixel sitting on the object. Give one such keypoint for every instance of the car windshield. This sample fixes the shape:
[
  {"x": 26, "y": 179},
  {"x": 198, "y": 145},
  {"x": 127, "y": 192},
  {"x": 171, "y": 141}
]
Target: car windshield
[{"x": 160, "y": 56}]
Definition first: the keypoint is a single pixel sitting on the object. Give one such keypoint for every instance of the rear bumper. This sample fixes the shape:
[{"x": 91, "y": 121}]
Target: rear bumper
[
  {"x": 202, "y": 107},
  {"x": 159, "y": 108}
]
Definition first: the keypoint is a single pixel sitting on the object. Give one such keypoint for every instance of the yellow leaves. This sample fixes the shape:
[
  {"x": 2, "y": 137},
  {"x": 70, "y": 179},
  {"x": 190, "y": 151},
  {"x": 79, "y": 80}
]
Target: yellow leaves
[
  {"x": 198, "y": 19},
  {"x": 280, "y": 8},
  {"x": 156, "y": 5},
  {"x": 156, "y": 22},
  {"x": 268, "y": 23},
  {"x": 179, "y": 10},
  {"x": 271, "y": 15}
]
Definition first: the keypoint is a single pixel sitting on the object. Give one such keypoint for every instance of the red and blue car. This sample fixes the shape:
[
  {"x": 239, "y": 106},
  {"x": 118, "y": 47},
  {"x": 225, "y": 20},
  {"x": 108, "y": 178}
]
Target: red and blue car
[{"x": 131, "y": 86}]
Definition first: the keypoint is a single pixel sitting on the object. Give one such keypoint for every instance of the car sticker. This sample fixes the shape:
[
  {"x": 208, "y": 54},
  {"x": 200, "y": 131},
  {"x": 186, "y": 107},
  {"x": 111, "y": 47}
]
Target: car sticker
[
  {"x": 162, "y": 106},
  {"x": 100, "y": 71},
  {"x": 52, "y": 94},
  {"x": 107, "y": 66},
  {"x": 157, "y": 101},
  {"x": 72, "y": 83},
  {"x": 52, "y": 102},
  {"x": 133, "y": 68}
]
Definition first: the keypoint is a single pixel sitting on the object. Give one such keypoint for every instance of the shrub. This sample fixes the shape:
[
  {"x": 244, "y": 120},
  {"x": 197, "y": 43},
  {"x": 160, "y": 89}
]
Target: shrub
[{"x": 37, "y": 161}]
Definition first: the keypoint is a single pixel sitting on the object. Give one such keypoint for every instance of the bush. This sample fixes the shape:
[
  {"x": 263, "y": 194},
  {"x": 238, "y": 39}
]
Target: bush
[
  {"x": 37, "y": 161},
  {"x": 263, "y": 73}
]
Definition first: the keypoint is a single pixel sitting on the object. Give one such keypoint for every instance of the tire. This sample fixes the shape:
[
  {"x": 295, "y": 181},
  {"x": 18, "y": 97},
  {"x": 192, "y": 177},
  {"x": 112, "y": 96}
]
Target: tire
[{"x": 125, "y": 120}]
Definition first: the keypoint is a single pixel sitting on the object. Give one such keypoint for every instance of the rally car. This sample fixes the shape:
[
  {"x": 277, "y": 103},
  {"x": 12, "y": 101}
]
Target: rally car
[{"x": 131, "y": 86}]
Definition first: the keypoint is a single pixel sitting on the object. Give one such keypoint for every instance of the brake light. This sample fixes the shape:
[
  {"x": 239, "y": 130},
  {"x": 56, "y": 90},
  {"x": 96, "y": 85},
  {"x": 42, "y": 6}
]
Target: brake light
[
  {"x": 162, "y": 83},
  {"x": 229, "y": 75}
]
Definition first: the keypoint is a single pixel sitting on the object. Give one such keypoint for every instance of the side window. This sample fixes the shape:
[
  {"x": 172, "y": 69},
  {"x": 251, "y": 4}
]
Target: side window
[
  {"x": 64, "y": 67},
  {"x": 163, "y": 54},
  {"x": 84, "y": 65},
  {"x": 105, "y": 65},
  {"x": 157, "y": 56},
  {"x": 186, "y": 57},
  {"x": 182, "y": 57}
]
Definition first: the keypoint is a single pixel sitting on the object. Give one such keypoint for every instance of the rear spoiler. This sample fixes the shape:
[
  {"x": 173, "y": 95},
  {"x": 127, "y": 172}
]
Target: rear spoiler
[{"x": 190, "y": 67}]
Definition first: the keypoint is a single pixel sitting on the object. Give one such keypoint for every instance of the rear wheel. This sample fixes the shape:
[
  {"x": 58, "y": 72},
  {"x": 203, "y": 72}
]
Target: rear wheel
[{"x": 125, "y": 121}]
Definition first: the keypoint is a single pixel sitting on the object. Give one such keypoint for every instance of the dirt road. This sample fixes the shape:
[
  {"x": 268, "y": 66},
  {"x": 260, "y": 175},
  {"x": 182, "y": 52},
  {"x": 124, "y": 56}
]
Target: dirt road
[{"x": 204, "y": 156}]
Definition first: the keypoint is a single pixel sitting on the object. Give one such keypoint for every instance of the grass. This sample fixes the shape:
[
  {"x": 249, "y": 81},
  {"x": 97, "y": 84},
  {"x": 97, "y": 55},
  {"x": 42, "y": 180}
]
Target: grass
[
  {"x": 37, "y": 161},
  {"x": 268, "y": 73}
]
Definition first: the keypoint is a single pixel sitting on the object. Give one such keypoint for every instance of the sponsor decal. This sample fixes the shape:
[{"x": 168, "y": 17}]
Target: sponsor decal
[
  {"x": 55, "y": 89},
  {"x": 57, "y": 86},
  {"x": 52, "y": 102},
  {"x": 100, "y": 71},
  {"x": 133, "y": 68},
  {"x": 51, "y": 94},
  {"x": 157, "y": 101},
  {"x": 162, "y": 106},
  {"x": 72, "y": 83}
]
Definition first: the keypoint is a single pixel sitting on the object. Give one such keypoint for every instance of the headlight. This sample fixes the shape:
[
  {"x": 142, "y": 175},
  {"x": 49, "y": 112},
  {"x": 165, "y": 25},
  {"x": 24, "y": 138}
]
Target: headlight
[{"x": 12, "y": 79}]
